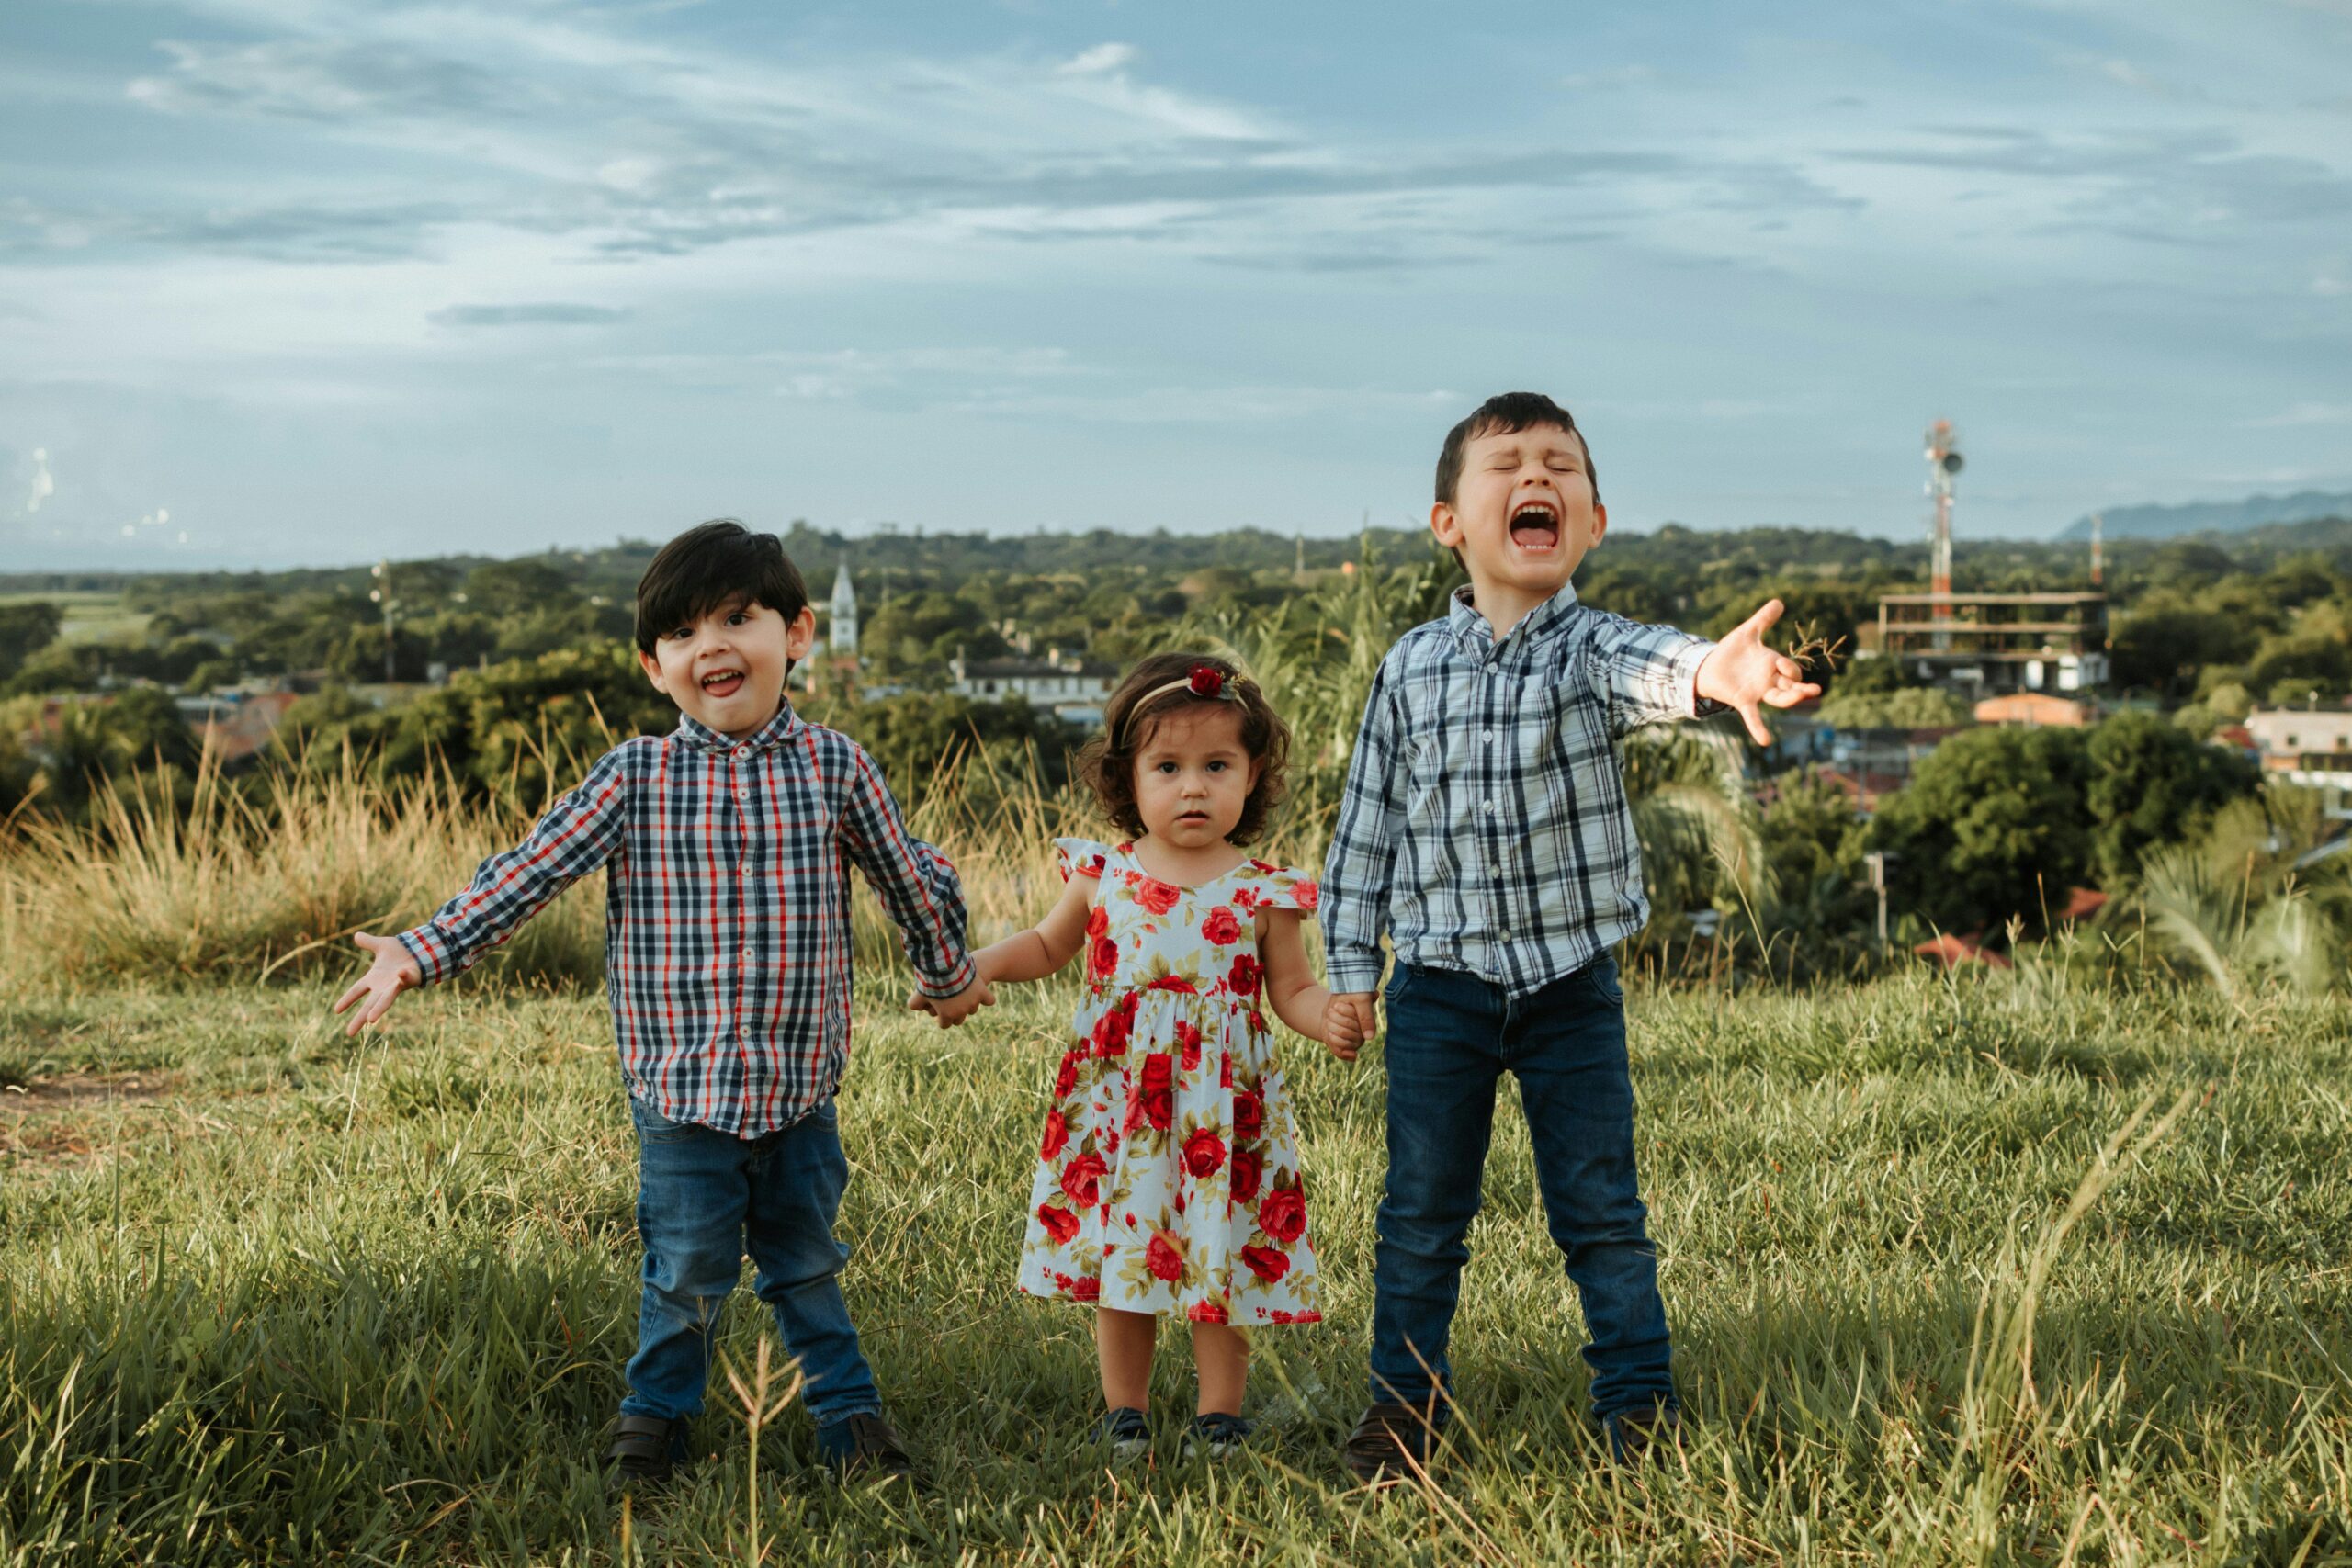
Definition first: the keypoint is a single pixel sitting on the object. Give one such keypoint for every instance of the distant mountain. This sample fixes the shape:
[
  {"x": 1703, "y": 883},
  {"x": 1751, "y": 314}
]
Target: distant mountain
[{"x": 2213, "y": 516}]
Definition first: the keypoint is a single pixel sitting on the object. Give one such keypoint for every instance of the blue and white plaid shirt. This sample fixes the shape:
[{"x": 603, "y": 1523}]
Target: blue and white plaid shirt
[
  {"x": 1484, "y": 826},
  {"x": 726, "y": 918}
]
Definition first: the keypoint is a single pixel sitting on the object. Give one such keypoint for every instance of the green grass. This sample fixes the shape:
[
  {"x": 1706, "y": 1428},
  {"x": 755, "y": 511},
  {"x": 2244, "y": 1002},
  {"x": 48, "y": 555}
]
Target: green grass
[
  {"x": 90, "y": 616},
  {"x": 294, "y": 1300}
]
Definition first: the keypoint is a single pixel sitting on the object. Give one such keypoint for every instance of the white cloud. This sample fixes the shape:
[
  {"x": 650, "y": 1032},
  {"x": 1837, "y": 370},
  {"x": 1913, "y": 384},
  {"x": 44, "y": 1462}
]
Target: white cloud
[
  {"x": 42, "y": 486},
  {"x": 1102, "y": 60}
]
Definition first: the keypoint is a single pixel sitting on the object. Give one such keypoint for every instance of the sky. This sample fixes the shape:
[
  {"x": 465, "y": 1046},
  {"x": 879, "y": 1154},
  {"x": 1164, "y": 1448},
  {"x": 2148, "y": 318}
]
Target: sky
[{"x": 313, "y": 281}]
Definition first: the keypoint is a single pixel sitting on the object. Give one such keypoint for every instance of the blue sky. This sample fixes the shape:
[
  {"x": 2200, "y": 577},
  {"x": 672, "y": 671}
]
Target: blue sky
[{"x": 316, "y": 280}]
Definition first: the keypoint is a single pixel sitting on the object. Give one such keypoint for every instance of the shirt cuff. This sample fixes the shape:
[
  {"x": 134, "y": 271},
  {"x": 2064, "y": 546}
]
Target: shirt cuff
[
  {"x": 958, "y": 979},
  {"x": 1352, "y": 974},
  {"x": 433, "y": 959},
  {"x": 1685, "y": 682}
]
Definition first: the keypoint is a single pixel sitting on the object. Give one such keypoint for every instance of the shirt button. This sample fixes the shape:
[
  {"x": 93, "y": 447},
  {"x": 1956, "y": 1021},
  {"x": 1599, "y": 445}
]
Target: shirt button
[
  {"x": 742, "y": 751},
  {"x": 743, "y": 870},
  {"x": 1488, "y": 737},
  {"x": 1489, "y": 807},
  {"x": 742, "y": 795},
  {"x": 742, "y": 1034}
]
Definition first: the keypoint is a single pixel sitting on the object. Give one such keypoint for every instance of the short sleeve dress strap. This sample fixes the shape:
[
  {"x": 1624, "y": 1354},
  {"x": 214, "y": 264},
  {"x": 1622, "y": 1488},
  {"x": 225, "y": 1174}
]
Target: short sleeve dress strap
[
  {"x": 1267, "y": 886},
  {"x": 1080, "y": 857}
]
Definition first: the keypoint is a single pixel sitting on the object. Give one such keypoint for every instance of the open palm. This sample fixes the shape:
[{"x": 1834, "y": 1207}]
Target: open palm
[{"x": 1744, "y": 675}]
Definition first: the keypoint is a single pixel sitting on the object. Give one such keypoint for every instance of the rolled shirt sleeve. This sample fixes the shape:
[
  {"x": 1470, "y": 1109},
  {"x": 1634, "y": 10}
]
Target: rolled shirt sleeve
[
  {"x": 918, "y": 886},
  {"x": 1647, "y": 674},
  {"x": 578, "y": 835},
  {"x": 1362, "y": 858}
]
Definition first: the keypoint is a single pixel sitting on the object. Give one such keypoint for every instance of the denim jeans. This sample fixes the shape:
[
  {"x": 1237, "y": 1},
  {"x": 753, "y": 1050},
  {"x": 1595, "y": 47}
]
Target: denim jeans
[
  {"x": 1451, "y": 1037},
  {"x": 704, "y": 1199}
]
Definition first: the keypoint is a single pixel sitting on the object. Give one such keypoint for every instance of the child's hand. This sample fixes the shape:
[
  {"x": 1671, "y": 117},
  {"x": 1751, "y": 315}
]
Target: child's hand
[
  {"x": 392, "y": 972},
  {"x": 952, "y": 1010},
  {"x": 1348, "y": 1023},
  {"x": 1743, "y": 674}
]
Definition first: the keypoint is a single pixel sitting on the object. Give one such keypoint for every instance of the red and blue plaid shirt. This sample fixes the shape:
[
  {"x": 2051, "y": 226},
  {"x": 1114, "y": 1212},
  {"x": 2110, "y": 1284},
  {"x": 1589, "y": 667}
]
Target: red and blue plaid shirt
[{"x": 727, "y": 917}]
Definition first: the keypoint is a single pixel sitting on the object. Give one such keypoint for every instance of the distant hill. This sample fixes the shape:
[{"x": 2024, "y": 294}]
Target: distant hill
[{"x": 2214, "y": 516}]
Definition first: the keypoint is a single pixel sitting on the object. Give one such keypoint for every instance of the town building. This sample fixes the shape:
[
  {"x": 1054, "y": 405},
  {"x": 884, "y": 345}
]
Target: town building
[
  {"x": 1073, "y": 686},
  {"x": 1995, "y": 642},
  {"x": 2034, "y": 710},
  {"x": 2305, "y": 746}
]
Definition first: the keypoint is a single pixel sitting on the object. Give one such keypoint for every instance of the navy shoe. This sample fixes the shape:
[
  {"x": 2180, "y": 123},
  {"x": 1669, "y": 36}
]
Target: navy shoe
[
  {"x": 1392, "y": 1442},
  {"x": 1125, "y": 1432},
  {"x": 1635, "y": 1433},
  {"x": 1215, "y": 1435}
]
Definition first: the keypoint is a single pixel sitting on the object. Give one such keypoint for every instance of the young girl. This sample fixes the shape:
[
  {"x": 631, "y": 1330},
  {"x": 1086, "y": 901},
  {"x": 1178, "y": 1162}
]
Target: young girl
[{"x": 1167, "y": 1182}]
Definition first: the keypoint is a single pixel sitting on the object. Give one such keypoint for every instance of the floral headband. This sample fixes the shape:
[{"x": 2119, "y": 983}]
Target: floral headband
[{"x": 1203, "y": 681}]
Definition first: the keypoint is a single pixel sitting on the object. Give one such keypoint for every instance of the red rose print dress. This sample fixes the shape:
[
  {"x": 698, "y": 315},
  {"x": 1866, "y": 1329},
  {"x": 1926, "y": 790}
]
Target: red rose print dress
[{"x": 1168, "y": 1180}]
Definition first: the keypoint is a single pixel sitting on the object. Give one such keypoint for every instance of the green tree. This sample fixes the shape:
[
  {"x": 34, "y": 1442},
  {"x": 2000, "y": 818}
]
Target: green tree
[
  {"x": 1906, "y": 708},
  {"x": 25, "y": 630},
  {"x": 2151, "y": 783},
  {"x": 1992, "y": 824}
]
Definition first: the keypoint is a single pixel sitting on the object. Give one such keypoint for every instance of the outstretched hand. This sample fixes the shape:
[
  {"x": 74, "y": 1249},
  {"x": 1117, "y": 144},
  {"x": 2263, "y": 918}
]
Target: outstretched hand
[
  {"x": 394, "y": 971},
  {"x": 1746, "y": 676}
]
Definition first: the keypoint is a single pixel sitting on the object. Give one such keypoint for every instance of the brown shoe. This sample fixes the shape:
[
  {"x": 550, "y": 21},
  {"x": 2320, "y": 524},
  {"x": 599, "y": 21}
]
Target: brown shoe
[
  {"x": 1391, "y": 1442},
  {"x": 1633, "y": 1433},
  {"x": 867, "y": 1447}
]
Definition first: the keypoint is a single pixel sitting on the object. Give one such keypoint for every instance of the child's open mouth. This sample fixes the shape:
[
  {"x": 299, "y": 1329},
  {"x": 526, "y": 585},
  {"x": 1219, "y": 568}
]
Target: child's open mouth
[
  {"x": 1536, "y": 527},
  {"x": 722, "y": 683}
]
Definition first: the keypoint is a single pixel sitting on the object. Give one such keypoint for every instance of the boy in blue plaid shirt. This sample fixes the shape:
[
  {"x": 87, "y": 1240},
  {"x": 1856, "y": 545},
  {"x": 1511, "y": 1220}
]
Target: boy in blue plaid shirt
[
  {"x": 1485, "y": 831},
  {"x": 728, "y": 845}
]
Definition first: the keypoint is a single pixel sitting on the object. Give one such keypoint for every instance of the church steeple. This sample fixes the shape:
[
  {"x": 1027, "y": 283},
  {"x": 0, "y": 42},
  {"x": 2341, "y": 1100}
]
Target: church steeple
[{"x": 840, "y": 632}]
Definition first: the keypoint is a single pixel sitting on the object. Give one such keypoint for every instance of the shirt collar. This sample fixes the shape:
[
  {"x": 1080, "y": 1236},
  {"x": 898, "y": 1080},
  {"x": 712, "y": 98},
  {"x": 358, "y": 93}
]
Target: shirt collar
[
  {"x": 769, "y": 736},
  {"x": 1475, "y": 635}
]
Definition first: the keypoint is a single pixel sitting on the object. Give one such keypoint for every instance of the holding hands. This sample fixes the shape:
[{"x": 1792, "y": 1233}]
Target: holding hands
[
  {"x": 952, "y": 1010},
  {"x": 1744, "y": 675},
  {"x": 1348, "y": 1021}
]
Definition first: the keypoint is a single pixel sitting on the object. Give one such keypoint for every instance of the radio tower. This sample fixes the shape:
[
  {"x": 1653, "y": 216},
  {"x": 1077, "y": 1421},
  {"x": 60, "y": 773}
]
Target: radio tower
[
  {"x": 1943, "y": 464},
  {"x": 2099, "y": 553}
]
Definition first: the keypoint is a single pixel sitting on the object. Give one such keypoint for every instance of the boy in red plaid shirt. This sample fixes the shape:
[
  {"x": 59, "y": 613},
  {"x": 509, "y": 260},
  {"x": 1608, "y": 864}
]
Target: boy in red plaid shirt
[{"x": 727, "y": 844}]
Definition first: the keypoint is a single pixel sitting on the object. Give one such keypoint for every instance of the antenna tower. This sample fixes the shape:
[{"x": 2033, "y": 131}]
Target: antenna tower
[
  {"x": 2099, "y": 550},
  {"x": 1943, "y": 466}
]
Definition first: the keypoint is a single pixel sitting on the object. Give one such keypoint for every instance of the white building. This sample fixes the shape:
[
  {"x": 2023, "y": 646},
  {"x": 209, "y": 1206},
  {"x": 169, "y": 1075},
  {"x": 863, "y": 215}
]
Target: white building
[
  {"x": 1075, "y": 688},
  {"x": 2304, "y": 746}
]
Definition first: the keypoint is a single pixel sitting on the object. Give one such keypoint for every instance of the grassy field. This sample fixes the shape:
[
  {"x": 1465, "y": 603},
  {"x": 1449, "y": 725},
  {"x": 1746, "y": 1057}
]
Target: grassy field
[
  {"x": 90, "y": 616},
  {"x": 269, "y": 1296}
]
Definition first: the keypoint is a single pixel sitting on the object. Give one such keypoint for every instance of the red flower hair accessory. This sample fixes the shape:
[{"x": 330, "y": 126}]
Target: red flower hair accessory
[{"x": 1207, "y": 680}]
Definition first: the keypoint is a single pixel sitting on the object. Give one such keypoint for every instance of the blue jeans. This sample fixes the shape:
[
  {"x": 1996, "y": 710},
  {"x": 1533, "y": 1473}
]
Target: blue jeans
[
  {"x": 1451, "y": 1037},
  {"x": 704, "y": 1199}
]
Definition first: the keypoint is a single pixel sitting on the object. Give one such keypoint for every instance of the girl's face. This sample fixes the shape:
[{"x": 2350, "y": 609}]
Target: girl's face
[{"x": 1193, "y": 775}]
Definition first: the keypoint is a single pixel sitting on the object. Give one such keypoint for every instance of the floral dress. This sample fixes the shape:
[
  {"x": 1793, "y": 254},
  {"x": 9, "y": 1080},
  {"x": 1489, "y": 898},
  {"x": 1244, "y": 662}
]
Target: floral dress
[{"x": 1168, "y": 1179}]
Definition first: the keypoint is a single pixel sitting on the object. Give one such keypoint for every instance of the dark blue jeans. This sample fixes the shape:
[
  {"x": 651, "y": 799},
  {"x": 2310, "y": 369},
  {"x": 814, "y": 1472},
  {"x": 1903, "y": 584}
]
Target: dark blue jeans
[
  {"x": 704, "y": 1199},
  {"x": 1451, "y": 1037}
]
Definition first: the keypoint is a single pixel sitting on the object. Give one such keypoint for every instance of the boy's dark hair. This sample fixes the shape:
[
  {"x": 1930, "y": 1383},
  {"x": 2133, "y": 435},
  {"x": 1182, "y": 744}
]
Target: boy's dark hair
[
  {"x": 1107, "y": 762},
  {"x": 1506, "y": 414},
  {"x": 708, "y": 565}
]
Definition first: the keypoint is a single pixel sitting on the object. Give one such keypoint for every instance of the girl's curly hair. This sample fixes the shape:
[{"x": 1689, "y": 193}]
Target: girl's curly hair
[{"x": 1107, "y": 763}]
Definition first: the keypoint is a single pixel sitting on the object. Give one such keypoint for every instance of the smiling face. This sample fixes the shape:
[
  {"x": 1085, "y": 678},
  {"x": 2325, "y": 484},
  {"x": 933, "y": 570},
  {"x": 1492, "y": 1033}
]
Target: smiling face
[
  {"x": 727, "y": 670},
  {"x": 1524, "y": 515},
  {"x": 1194, "y": 774}
]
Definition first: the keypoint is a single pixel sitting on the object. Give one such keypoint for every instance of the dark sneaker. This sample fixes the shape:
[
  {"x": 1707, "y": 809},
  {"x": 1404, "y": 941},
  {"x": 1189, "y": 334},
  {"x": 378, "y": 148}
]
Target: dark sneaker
[
  {"x": 865, "y": 1447},
  {"x": 1635, "y": 1433},
  {"x": 1215, "y": 1435},
  {"x": 645, "y": 1451},
  {"x": 1125, "y": 1432},
  {"x": 1392, "y": 1442}
]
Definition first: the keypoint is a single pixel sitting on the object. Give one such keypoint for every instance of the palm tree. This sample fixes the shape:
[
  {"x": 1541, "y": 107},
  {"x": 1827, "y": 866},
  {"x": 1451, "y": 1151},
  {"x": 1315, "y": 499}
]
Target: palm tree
[{"x": 2251, "y": 902}]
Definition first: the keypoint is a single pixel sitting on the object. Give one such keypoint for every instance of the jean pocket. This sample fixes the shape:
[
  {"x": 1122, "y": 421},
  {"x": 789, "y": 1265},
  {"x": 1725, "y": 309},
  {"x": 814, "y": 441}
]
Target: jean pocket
[
  {"x": 1602, "y": 976},
  {"x": 1395, "y": 986},
  {"x": 652, "y": 1127}
]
